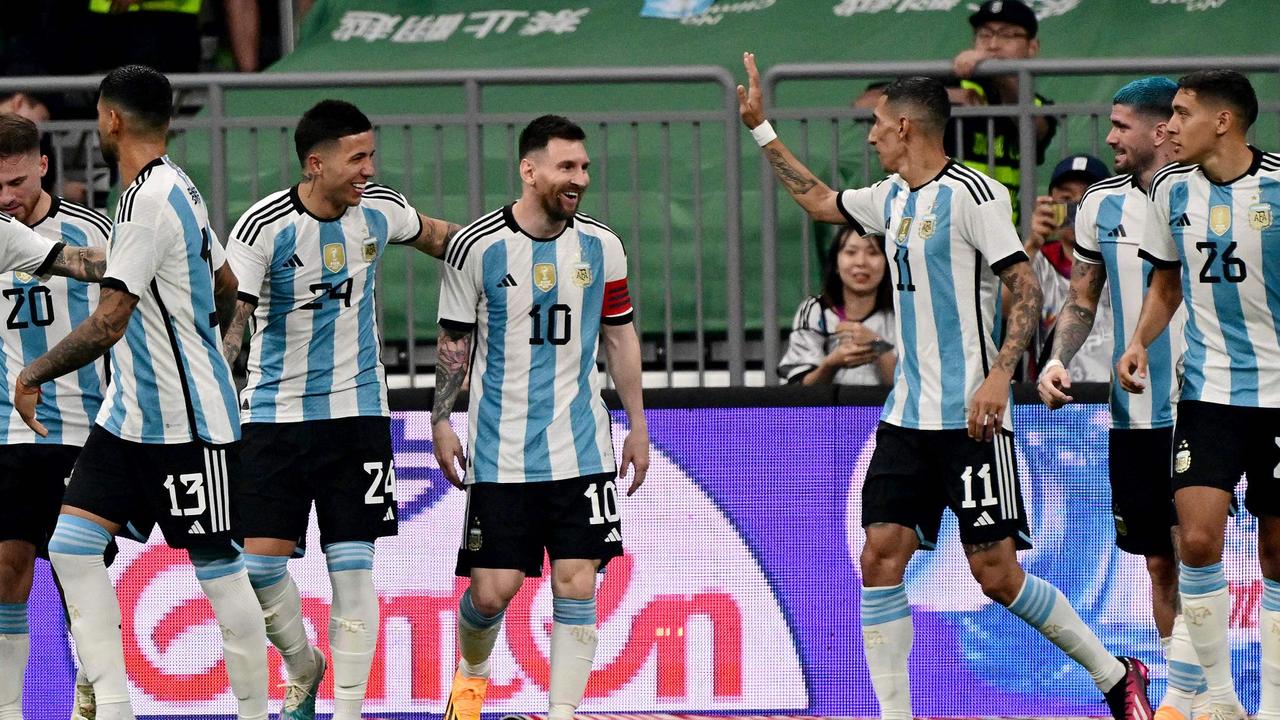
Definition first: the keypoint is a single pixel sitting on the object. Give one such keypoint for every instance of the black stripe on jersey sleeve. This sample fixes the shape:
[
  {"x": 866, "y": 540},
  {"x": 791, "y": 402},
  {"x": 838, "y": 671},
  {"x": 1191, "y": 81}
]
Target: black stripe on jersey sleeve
[
  {"x": 1159, "y": 262},
  {"x": 1165, "y": 173},
  {"x": 464, "y": 248},
  {"x": 416, "y": 235},
  {"x": 622, "y": 319},
  {"x": 93, "y": 217},
  {"x": 117, "y": 284},
  {"x": 960, "y": 171},
  {"x": 853, "y": 222},
  {"x": 465, "y": 234},
  {"x": 251, "y": 225},
  {"x": 457, "y": 325},
  {"x": 49, "y": 260},
  {"x": 1089, "y": 256},
  {"x": 247, "y": 298},
  {"x": 1111, "y": 182},
  {"x": 1009, "y": 261}
]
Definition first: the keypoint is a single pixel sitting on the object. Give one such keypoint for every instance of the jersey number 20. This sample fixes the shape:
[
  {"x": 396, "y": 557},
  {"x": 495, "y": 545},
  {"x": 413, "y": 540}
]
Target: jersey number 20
[{"x": 38, "y": 302}]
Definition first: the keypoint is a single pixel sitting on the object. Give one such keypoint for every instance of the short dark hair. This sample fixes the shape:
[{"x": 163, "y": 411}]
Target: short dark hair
[
  {"x": 142, "y": 91},
  {"x": 538, "y": 133},
  {"x": 327, "y": 121},
  {"x": 925, "y": 94},
  {"x": 18, "y": 135},
  {"x": 1227, "y": 86}
]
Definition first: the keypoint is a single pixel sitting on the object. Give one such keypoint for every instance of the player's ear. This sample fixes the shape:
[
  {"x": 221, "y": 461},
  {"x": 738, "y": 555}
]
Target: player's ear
[
  {"x": 1225, "y": 120},
  {"x": 313, "y": 166},
  {"x": 1160, "y": 133},
  {"x": 44, "y": 165},
  {"x": 526, "y": 170},
  {"x": 1033, "y": 47}
]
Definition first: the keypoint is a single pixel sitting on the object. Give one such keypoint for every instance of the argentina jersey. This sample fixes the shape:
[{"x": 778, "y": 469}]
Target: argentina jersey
[
  {"x": 1110, "y": 224},
  {"x": 37, "y": 314},
  {"x": 315, "y": 352},
  {"x": 537, "y": 305},
  {"x": 169, "y": 381},
  {"x": 1226, "y": 240},
  {"x": 945, "y": 243}
]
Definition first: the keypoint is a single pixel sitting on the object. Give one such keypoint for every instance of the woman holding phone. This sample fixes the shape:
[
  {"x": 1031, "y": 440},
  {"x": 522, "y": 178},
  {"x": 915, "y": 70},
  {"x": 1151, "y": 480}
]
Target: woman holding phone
[{"x": 845, "y": 335}]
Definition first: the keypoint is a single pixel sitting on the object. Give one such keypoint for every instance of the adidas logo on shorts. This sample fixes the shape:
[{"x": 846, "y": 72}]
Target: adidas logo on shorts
[
  {"x": 196, "y": 529},
  {"x": 983, "y": 520},
  {"x": 391, "y": 515},
  {"x": 613, "y": 536}
]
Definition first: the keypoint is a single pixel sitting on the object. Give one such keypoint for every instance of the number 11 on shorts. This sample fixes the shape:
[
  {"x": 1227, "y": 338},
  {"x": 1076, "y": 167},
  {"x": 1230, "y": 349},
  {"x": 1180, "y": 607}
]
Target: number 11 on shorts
[{"x": 984, "y": 474}]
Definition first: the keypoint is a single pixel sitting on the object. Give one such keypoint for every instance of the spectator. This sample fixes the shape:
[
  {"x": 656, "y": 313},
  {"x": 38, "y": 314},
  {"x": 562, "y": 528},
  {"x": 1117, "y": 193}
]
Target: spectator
[
  {"x": 162, "y": 34},
  {"x": 1051, "y": 246},
  {"x": 846, "y": 334},
  {"x": 1004, "y": 30}
]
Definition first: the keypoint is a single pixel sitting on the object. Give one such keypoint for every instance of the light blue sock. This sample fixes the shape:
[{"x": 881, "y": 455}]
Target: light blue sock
[
  {"x": 471, "y": 616},
  {"x": 265, "y": 570},
  {"x": 568, "y": 611},
  {"x": 352, "y": 555},
  {"x": 13, "y": 619},
  {"x": 213, "y": 564},
  {"x": 1200, "y": 580},
  {"x": 75, "y": 535}
]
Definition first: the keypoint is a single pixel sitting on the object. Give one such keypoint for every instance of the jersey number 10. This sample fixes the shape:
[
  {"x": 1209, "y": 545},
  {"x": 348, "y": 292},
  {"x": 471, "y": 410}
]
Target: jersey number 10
[{"x": 559, "y": 324}]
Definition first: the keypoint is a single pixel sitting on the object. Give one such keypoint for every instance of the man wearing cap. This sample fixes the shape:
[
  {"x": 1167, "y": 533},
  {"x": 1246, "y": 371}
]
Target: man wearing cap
[
  {"x": 1050, "y": 245},
  {"x": 1002, "y": 30}
]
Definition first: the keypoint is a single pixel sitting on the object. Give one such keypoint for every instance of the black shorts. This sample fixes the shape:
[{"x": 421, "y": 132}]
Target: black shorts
[
  {"x": 343, "y": 465},
  {"x": 509, "y": 524},
  {"x": 915, "y": 474},
  {"x": 1142, "y": 490},
  {"x": 1213, "y": 445},
  {"x": 33, "y": 479},
  {"x": 185, "y": 488}
]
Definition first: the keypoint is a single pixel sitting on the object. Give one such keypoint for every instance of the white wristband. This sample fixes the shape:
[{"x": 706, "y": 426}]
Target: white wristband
[
  {"x": 763, "y": 133},
  {"x": 1051, "y": 364}
]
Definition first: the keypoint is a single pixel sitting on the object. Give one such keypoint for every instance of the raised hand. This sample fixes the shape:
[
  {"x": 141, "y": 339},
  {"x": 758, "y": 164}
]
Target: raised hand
[{"x": 750, "y": 99}]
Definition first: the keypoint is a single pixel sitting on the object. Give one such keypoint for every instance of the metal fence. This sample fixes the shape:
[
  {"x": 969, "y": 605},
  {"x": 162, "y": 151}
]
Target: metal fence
[{"x": 645, "y": 163}]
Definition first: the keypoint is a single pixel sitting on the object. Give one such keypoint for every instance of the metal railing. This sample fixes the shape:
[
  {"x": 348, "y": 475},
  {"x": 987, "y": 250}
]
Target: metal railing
[{"x": 621, "y": 143}]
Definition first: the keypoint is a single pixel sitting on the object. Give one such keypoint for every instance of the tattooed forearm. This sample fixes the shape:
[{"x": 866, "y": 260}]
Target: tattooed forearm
[
  {"x": 1024, "y": 314},
  {"x": 233, "y": 339},
  {"x": 435, "y": 236},
  {"x": 84, "y": 344},
  {"x": 1075, "y": 321},
  {"x": 795, "y": 177},
  {"x": 82, "y": 263},
  {"x": 453, "y": 353}
]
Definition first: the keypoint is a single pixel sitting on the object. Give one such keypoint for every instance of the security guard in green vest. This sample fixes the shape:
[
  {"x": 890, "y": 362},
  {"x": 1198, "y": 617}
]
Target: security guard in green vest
[
  {"x": 163, "y": 34},
  {"x": 1005, "y": 30}
]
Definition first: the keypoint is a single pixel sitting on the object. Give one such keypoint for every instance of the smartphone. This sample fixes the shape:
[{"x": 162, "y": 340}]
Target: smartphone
[
  {"x": 881, "y": 346},
  {"x": 1064, "y": 213}
]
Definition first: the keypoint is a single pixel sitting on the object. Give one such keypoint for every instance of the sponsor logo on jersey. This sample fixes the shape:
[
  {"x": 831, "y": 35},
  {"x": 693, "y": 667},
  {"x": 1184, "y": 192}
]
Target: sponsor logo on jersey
[
  {"x": 1260, "y": 216},
  {"x": 335, "y": 256},
  {"x": 544, "y": 276},
  {"x": 1220, "y": 219}
]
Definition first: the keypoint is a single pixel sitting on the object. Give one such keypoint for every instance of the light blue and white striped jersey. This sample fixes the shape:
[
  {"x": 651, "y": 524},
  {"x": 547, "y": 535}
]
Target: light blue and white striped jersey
[
  {"x": 1110, "y": 224},
  {"x": 1226, "y": 238},
  {"x": 169, "y": 381},
  {"x": 537, "y": 305},
  {"x": 315, "y": 352},
  {"x": 38, "y": 313},
  {"x": 946, "y": 241}
]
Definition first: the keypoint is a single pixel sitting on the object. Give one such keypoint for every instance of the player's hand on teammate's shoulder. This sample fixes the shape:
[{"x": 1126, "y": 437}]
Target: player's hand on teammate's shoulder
[
  {"x": 1131, "y": 370},
  {"x": 635, "y": 452},
  {"x": 1053, "y": 381},
  {"x": 448, "y": 448},
  {"x": 750, "y": 99}
]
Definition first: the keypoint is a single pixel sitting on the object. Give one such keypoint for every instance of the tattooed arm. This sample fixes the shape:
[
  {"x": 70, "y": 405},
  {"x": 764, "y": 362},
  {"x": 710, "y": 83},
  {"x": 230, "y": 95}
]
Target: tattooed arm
[
  {"x": 986, "y": 409},
  {"x": 84, "y": 344},
  {"x": 434, "y": 237},
  {"x": 1075, "y": 321},
  {"x": 82, "y": 263},
  {"x": 817, "y": 199},
  {"x": 453, "y": 356},
  {"x": 233, "y": 338},
  {"x": 225, "y": 287}
]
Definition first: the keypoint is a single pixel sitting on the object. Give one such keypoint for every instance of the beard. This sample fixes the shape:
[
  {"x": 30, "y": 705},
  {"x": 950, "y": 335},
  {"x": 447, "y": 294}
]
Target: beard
[
  {"x": 109, "y": 153},
  {"x": 554, "y": 210}
]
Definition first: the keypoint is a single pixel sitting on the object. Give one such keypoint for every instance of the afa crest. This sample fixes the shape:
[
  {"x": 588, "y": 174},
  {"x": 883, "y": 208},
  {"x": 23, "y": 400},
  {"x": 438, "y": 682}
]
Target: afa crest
[
  {"x": 582, "y": 274},
  {"x": 1260, "y": 216},
  {"x": 1220, "y": 219},
  {"x": 22, "y": 277},
  {"x": 544, "y": 276},
  {"x": 926, "y": 227},
  {"x": 369, "y": 249},
  {"x": 335, "y": 256}
]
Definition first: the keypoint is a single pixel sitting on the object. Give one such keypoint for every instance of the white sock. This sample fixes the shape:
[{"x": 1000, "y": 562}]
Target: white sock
[
  {"x": 1045, "y": 608},
  {"x": 1207, "y": 609},
  {"x": 573, "y": 651},
  {"x": 1269, "y": 630},
  {"x": 282, "y": 609},
  {"x": 81, "y": 680},
  {"x": 1185, "y": 675},
  {"x": 887, "y": 635},
  {"x": 244, "y": 640},
  {"x": 15, "y": 648},
  {"x": 353, "y": 636},
  {"x": 476, "y": 635},
  {"x": 95, "y": 624}
]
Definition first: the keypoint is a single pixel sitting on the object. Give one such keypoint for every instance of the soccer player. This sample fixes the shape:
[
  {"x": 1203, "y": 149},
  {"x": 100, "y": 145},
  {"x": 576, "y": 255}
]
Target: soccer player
[
  {"x": 1213, "y": 240},
  {"x": 317, "y": 426},
  {"x": 541, "y": 286},
  {"x": 953, "y": 242},
  {"x": 34, "y": 469},
  {"x": 162, "y": 446},
  {"x": 1110, "y": 223}
]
